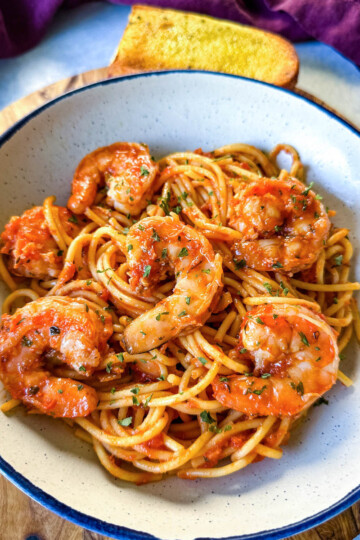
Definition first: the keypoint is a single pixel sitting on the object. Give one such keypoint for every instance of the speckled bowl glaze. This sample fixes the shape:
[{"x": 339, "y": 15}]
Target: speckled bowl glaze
[{"x": 320, "y": 472}]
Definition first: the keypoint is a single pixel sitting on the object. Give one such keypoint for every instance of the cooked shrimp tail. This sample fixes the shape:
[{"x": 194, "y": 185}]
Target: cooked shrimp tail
[
  {"x": 126, "y": 170},
  {"x": 283, "y": 223},
  {"x": 295, "y": 361},
  {"x": 160, "y": 245},
  {"x": 32, "y": 251},
  {"x": 62, "y": 329}
]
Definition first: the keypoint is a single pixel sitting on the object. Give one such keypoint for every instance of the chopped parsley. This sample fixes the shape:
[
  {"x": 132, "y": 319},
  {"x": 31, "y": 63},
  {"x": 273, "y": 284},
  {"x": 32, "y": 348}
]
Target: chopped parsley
[
  {"x": 161, "y": 378},
  {"x": 318, "y": 197},
  {"x": 164, "y": 204},
  {"x": 73, "y": 219},
  {"x": 60, "y": 391},
  {"x": 135, "y": 400},
  {"x": 60, "y": 252},
  {"x": 183, "y": 252},
  {"x": 125, "y": 421},
  {"x": 256, "y": 392},
  {"x": 243, "y": 350},
  {"x": 80, "y": 387},
  {"x": 338, "y": 260},
  {"x": 120, "y": 357},
  {"x": 147, "y": 270},
  {"x": 82, "y": 368},
  {"x": 259, "y": 321},
  {"x": 164, "y": 253},
  {"x": 306, "y": 191},
  {"x": 269, "y": 288},
  {"x": 304, "y": 339},
  {"x": 147, "y": 400},
  {"x": 129, "y": 248},
  {"x": 159, "y": 315},
  {"x": 284, "y": 288},
  {"x": 277, "y": 265},
  {"x": 182, "y": 313},
  {"x": 144, "y": 171},
  {"x": 206, "y": 417},
  {"x": 299, "y": 387},
  {"x": 224, "y": 379},
  {"x": 207, "y": 271},
  {"x": 135, "y": 390},
  {"x": 187, "y": 299},
  {"x": 102, "y": 271},
  {"x": 89, "y": 282},
  {"x": 239, "y": 264},
  {"x": 108, "y": 367},
  {"x": 265, "y": 375},
  {"x": 155, "y": 236},
  {"x": 215, "y": 429},
  {"x": 202, "y": 360}
]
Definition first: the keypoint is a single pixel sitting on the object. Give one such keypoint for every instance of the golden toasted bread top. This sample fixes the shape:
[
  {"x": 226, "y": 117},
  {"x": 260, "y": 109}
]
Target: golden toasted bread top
[{"x": 167, "y": 39}]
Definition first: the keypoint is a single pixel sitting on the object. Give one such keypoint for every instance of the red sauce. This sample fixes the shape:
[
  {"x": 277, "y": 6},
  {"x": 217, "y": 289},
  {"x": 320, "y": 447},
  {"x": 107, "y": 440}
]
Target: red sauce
[{"x": 156, "y": 443}]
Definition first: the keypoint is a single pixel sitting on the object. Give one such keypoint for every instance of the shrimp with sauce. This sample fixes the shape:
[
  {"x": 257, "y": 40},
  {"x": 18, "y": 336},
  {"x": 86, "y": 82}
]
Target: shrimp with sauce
[
  {"x": 284, "y": 225},
  {"x": 295, "y": 360},
  {"x": 125, "y": 169},
  {"x": 31, "y": 248},
  {"x": 60, "y": 328},
  {"x": 155, "y": 246}
]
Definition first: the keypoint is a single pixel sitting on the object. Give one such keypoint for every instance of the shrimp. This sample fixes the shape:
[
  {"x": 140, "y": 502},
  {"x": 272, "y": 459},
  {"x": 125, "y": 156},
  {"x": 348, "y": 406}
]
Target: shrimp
[
  {"x": 126, "y": 169},
  {"x": 295, "y": 359},
  {"x": 53, "y": 328},
  {"x": 155, "y": 246},
  {"x": 32, "y": 250},
  {"x": 284, "y": 225}
]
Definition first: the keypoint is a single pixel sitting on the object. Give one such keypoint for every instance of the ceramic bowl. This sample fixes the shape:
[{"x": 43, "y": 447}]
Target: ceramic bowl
[{"x": 320, "y": 471}]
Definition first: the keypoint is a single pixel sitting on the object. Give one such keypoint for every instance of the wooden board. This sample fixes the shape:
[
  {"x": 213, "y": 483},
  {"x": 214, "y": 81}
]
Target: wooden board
[{"x": 20, "y": 516}]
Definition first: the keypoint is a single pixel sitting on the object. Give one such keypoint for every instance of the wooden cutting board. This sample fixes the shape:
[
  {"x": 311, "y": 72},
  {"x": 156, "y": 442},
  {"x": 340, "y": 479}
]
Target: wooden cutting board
[{"x": 20, "y": 517}]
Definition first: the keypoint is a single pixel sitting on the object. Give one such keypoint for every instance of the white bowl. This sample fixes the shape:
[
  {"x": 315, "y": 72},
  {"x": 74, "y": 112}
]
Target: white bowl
[{"x": 320, "y": 472}]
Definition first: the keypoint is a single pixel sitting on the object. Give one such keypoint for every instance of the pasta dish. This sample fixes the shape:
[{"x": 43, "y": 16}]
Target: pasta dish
[{"x": 181, "y": 315}]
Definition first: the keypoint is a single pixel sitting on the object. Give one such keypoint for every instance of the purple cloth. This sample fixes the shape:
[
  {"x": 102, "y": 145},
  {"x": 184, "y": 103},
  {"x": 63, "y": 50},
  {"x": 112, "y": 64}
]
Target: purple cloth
[{"x": 334, "y": 22}]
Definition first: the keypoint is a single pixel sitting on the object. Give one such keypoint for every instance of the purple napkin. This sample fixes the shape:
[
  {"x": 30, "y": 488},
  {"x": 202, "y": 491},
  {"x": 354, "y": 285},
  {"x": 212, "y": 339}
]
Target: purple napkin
[{"x": 335, "y": 22}]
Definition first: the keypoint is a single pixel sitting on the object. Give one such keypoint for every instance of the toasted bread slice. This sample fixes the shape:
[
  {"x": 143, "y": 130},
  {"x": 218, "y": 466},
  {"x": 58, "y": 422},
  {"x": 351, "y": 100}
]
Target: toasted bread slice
[{"x": 162, "y": 39}]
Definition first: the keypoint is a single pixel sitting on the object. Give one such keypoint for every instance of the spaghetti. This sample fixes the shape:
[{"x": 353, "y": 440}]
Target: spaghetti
[{"x": 163, "y": 400}]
